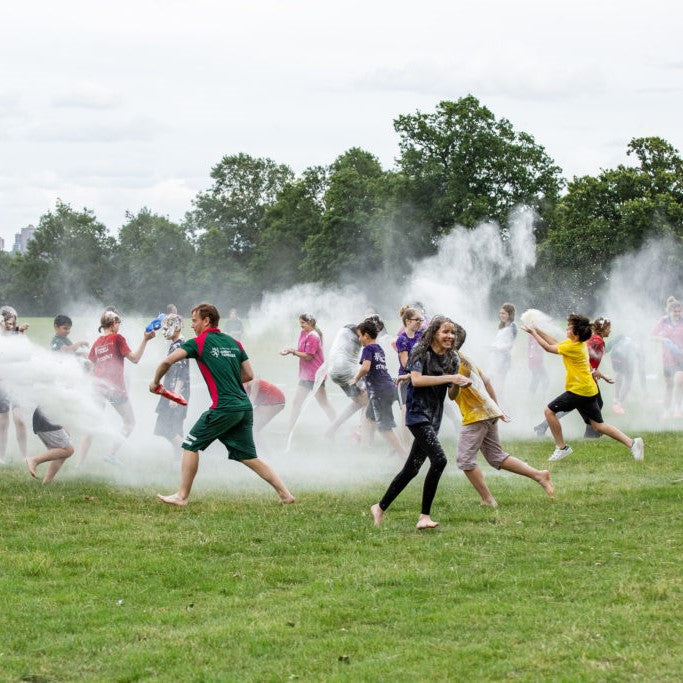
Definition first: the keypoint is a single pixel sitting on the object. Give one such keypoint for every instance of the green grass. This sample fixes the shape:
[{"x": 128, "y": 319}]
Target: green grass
[{"x": 103, "y": 583}]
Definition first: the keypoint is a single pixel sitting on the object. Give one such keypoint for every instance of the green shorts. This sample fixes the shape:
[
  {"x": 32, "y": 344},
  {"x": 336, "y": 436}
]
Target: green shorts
[{"x": 233, "y": 430}]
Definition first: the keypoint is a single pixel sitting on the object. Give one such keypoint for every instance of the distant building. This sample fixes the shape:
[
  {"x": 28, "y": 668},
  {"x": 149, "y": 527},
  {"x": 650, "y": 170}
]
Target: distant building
[
  {"x": 2, "y": 244},
  {"x": 22, "y": 238}
]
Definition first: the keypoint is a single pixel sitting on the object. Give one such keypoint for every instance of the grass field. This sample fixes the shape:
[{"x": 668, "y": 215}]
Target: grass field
[{"x": 103, "y": 583}]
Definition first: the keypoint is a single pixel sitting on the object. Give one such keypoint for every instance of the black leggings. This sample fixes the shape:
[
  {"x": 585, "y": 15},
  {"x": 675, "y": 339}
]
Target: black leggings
[{"x": 426, "y": 445}]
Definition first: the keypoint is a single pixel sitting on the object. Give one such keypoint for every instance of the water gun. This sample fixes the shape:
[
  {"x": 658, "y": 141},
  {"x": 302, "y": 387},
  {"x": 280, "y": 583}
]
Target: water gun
[
  {"x": 170, "y": 395},
  {"x": 155, "y": 324}
]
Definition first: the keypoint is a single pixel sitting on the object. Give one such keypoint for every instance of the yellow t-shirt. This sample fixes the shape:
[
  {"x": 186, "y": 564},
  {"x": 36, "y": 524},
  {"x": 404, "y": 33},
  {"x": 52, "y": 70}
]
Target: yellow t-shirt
[
  {"x": 575, "y": 358},
  {"x": 474, "y": 401}
]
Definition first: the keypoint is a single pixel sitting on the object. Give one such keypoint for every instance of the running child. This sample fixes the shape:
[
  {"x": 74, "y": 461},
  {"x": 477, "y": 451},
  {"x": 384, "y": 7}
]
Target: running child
[
  {"x": 267, "y": 400},
  {"x": 581, "y": 389},
  {"x": 171, "y": 415},
  {"x": 480, "y": 416},
  {"x": 107, "y": 355},
  {"x": 433, "y": 365},
  {"x": 381, "y": 388},
  {"x": 57, "y": 441},
  {"x": 9, "y": 326}
]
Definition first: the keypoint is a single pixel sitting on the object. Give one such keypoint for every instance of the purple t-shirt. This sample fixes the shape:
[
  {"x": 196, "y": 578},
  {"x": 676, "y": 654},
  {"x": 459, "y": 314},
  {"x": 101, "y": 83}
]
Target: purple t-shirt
[
  {"x": 405, "y": 343},
  {"x": 378, "y": 380}
]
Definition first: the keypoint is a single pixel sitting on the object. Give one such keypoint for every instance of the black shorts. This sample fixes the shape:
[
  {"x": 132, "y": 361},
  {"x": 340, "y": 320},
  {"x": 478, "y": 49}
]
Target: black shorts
[
  {"x": 379, "y": 410},
  {"x": 587, "y": 406}
]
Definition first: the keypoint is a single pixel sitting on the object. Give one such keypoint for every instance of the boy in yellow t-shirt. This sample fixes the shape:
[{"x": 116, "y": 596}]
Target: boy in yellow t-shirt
[
  {"x": 581, "y": 390},
  {"x": 480, "y": 415}
]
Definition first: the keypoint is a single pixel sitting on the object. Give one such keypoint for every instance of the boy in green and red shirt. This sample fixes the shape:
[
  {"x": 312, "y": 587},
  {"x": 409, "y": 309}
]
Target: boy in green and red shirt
[{"x": 225, "y": 366}]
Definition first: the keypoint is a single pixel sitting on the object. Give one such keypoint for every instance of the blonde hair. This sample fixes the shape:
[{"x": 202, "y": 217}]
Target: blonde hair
[{"x": 108, "y": 318}]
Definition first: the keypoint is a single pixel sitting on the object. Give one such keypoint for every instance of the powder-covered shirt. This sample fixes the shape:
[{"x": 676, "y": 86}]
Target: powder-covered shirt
[
  {"x": 425, "y": 404},
  {"x": 378, "y": 380},
  {"x": 107, "y": 355},
  {"x": 474, "y": 401},
  {"x": 309, "y": 342},
  {"x": 672, "y": 351},
  {"x": 220, "y": 359},
  {"x": 343, "y": 356},
  {"x": 179, "y": 372},
  {"x": 57, "y": 342},
  {"x": 579, "y": 379}
]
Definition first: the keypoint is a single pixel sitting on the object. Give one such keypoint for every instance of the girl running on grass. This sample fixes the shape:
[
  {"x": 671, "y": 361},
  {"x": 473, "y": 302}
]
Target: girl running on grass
[
  {"x": 581, "y": 389},
  {"x": 433, "y": 365}
]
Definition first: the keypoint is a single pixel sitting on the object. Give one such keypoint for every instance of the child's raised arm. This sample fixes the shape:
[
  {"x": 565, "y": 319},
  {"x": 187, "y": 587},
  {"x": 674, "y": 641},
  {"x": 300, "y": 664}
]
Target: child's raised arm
[{"x": 544, "y": 340}]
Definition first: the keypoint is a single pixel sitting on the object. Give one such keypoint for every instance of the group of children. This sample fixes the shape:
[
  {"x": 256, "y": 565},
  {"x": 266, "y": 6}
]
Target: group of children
[{"x": 431, "y": 367}]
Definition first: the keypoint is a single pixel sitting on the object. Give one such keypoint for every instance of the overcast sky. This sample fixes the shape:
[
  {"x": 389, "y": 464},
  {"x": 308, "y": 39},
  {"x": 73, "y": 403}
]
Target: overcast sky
[{"x": 130, "y": 105}]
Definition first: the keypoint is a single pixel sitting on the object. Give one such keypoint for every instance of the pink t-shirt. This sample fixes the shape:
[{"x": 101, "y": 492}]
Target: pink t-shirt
[
  {"x": 107, "y": 354},
  {"x": 309, "y": 342},
  {"x": 674, "y": 332}
]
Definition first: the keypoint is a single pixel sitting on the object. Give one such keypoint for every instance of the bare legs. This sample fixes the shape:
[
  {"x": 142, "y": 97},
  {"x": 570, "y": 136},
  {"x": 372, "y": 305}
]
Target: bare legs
[
  {"x": 19, "y": 429},
  {"x": 268, "y": 474},
  {"x": 190, "y": 465},
  {"x": 56, "y": 458}
]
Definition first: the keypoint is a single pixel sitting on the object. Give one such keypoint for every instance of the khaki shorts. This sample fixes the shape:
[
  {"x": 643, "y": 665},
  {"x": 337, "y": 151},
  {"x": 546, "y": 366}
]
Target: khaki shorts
[
  {"x": 480, "y": 436},
  {"x": 232, "y": 429}
]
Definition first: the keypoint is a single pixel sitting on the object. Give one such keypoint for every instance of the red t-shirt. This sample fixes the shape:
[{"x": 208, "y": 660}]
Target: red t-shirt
[
  {"x": 107, "y": 354},
  {"x": 268, "y": 394},
  {"x": 596, "y": 350}
]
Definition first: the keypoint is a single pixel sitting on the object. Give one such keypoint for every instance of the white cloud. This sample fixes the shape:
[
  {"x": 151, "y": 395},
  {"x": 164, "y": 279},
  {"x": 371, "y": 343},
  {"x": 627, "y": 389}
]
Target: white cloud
[{"x": 87, "y": 96}]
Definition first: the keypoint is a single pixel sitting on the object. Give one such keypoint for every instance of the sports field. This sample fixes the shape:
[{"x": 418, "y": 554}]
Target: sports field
[
  {"x": 99, "y": 581},
  {"x": 102, "y": 583}
]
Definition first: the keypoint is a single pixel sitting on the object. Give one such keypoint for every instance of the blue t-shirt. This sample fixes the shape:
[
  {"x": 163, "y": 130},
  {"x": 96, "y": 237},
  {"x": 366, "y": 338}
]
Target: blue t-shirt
[
  {"x": 405, "y": 343},
  {"x": 425, "y": 404},
  {"x": 378, "y": 380}
]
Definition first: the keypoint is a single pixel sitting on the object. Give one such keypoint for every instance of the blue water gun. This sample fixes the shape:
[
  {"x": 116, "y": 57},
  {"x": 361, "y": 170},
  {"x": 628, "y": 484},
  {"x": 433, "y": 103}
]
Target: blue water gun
[{"x": 155, "y": 324}]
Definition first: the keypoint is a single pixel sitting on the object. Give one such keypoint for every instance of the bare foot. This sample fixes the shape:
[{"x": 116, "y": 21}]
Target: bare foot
[
  {"x": 175, "y": 499},
  {"x": 426, "y": 522},
  {"x": 31, "y": 467},
  {"x": 490, "y": 502},
  {"x": 377, "y": 513},
  {"x": 545, "y": 482},
  {"x": 287, "y": 499}
]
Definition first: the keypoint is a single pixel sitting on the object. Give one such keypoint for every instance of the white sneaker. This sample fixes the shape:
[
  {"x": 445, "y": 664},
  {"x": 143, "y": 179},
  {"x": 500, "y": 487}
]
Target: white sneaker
[
  {"x": 560, "y": 453},
  {"x": 638, "y": 449}
]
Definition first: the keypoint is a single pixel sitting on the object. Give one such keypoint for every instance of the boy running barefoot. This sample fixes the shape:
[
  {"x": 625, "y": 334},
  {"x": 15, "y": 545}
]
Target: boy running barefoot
[
  {"x": 480, "y": 415},
  {"x": 58, "y": 443},
  {"x": 581, "y": 390},
  {"x": 381, "y": 388}
]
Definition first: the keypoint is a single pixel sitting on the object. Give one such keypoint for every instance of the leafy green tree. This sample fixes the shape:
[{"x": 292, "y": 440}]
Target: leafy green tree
[
  {"x": 463, "y": 166},
  {"x": 296, "y": 215},
  {"x": 69, "y": 258},
  {"x": 347, "y": 242},
  {"x": 614, "y": 213},
  {"x": 227, "y": 221},
  {"x": 243, "y": 187},
  {"x": 154, "y": 263},
  {"x": 9, "y": 291}
]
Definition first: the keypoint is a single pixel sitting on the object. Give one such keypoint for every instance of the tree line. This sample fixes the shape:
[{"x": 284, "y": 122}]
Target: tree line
[{"x": 260, "y": 227}]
